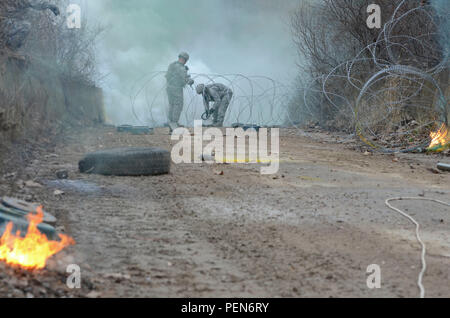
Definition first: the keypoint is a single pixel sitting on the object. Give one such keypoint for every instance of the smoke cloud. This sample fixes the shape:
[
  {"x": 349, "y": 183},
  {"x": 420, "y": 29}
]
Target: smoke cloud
[
  {"x": 250, "y": 37},
  {"x": 443, "y": 10}
]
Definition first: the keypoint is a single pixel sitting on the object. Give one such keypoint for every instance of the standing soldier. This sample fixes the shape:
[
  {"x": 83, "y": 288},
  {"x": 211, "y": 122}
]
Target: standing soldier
[
  {"x": 221, "y": 96},
  {"x": 177, "y": 77}
]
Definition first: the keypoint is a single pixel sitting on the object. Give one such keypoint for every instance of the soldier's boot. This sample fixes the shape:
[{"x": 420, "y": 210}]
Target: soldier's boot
[
  {"x": 173, "y": 126},
  {"x": 177, "y": 113}
]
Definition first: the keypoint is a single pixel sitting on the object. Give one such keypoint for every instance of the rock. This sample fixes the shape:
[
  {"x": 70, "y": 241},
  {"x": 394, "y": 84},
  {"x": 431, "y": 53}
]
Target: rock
[
  {"x": 435, "y": 171},
  {"x": 32, "y": 184},
  {"x": 58, "y": 192},
  {"x": 118, "y": 276},
  {"x": 10, "y": 175},
  {"x": 29, "y": 198},
  {"x": 17, "y": 293},
  {"x": 93, "y": 294},
  {"x": 20, "y": 184},
  {"x": 62, "y": 174},
  {"x": 61, "y": 229}
]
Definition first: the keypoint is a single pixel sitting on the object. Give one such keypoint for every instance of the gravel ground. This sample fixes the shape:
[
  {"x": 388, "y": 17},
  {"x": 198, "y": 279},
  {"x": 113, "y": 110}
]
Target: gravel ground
[{"x": 311, "y": 230}]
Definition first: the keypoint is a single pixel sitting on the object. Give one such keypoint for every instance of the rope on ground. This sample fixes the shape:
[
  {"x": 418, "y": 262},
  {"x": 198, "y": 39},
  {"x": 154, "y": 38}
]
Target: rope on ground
[{"x": 424, "y": 264}]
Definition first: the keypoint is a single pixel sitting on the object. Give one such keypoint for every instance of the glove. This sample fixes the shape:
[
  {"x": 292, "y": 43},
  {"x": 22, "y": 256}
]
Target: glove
[
  {"x": 54, "y": 9},
  {"x": 191, "y": 82}
]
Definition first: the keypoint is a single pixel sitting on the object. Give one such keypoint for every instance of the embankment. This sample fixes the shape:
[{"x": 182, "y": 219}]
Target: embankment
[{"x": 37, "y": 103}]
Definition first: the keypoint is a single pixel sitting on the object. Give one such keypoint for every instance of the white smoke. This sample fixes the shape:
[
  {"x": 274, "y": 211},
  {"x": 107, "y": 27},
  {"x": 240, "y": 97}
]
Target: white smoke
[
  {"x": 249, "y": 37},
  {"x": 443, "y": 9}
]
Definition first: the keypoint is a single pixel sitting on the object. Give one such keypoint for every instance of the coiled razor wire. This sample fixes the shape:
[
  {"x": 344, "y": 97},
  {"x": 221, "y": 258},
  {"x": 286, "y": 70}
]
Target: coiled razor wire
[
  {"x": 390, "y": 106},
  {"x": 395, "y": 103},
  {"x": 256, "y": 100}
]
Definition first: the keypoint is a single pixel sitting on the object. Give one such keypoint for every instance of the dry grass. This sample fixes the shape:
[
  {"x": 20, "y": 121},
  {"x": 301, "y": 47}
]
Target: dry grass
[
  {"x": 32, "y": 79},
  {"x": 392, "y": 101}
]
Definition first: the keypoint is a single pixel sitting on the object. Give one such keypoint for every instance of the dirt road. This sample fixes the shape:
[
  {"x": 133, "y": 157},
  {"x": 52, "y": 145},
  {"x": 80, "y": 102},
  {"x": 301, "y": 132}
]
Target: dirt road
[{"x": 311, "y": 230}]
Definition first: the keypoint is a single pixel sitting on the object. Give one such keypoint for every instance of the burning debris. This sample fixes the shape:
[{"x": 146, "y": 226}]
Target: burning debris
[
  {"x": 440, "y": 140},
  {"x": 34, "y": 249}
]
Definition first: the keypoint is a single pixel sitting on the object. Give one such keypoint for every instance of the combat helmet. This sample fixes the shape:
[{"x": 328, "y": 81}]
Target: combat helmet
[
  {"x": 199, "y": 89},
  {"x": 184, "y": 55}
]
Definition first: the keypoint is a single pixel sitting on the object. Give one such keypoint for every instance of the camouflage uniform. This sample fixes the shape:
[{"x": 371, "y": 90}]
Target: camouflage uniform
[
  {"x": 13, "y": 28},
  {"x": 177, "y": 77},
  {"x": 221, "y": 96}
]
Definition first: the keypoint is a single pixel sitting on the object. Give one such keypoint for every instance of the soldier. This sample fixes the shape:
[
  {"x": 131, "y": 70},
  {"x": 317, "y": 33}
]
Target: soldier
[
  {"x": 13, "y": 28},
  {"x": 221, "y": 96},
  {"x": 177, "y": 77}
]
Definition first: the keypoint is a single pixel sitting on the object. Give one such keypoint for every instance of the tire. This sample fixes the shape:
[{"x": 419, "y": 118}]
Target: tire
[
  {"x": 21, "y": 208},
  {"x": 127, "y": 162},
  {"x": 21, "y": 224},
  {"x": 135, "y": 130}
]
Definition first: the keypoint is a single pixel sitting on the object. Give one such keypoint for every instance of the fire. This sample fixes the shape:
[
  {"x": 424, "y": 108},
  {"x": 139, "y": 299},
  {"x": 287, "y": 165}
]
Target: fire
[
  {"x": 32, "y": 251},
  {"x": 440, "y": 137}
]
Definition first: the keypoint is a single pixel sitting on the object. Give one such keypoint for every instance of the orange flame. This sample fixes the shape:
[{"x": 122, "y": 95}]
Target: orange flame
[
  {"x": 440, "y": 138},
  {"x": 32, "y": 251}
]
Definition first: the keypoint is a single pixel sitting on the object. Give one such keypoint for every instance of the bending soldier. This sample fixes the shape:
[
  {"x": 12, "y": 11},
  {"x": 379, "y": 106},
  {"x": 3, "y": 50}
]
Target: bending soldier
[
  {"x": 221, "y": 96},
  {"x": 177, "y": 78}
]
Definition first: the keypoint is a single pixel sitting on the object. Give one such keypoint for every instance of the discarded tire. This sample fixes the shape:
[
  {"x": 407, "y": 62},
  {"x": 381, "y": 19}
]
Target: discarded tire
[
  {"x": 21, "y": 208},
  {"x": 21, "y": 224},
  {"x": 127, "y": 162},
  {"x": 135, "y": 130}
]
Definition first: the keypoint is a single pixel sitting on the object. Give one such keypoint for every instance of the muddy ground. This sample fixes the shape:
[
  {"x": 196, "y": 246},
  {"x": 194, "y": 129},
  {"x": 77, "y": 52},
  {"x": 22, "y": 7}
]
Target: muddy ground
[{"x": 309, "y": 231}]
